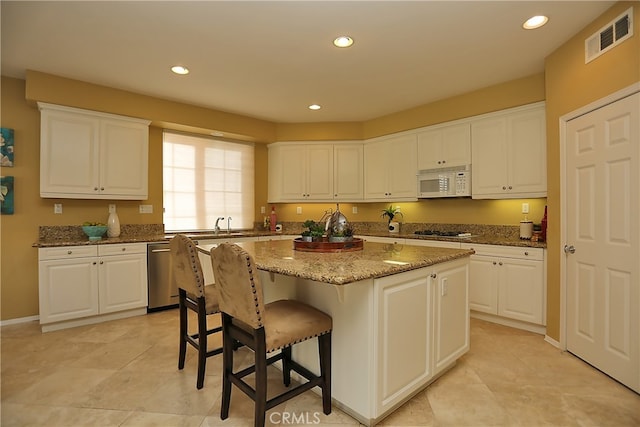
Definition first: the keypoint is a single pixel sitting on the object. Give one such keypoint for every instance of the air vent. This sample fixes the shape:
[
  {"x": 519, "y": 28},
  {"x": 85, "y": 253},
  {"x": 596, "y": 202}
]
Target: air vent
[{"x": 609, "y": 36}]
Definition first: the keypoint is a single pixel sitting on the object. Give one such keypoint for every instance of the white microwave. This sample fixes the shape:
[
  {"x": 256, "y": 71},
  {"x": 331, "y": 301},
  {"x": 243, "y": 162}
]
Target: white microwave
[{"x": 445, "y": 182}]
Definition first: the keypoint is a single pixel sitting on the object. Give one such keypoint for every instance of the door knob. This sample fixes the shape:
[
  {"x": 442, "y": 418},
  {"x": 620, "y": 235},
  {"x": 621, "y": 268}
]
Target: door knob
[{"x": 569, "y": 249}]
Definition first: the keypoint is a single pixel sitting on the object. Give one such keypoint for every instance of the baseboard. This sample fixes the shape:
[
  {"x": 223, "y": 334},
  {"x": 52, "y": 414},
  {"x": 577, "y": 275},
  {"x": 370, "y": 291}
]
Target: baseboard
[
  {"x": 538, "y": 329},
  {"x": 19, "y": 320},
  {"x": 551, "y": 341}
]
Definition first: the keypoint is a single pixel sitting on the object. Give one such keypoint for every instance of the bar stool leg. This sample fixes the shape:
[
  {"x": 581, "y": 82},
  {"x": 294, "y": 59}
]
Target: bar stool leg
[
  {"x": 324, "y": 349},
  {"x": 286, "y": 366},
  {"x": 202, "y": 341},
  {"x": 183, "y": 329},
  {"x": 227, "y": 366}
]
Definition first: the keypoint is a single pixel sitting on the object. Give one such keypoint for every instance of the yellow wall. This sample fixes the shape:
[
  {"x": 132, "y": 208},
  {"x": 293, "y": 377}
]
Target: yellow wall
[{"x": 571, "y": 84}]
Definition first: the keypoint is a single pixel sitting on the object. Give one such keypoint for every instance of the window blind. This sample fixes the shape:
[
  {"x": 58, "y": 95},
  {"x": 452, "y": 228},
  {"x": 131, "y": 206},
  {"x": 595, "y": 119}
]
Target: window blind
[{"x": 205, "y": 178}]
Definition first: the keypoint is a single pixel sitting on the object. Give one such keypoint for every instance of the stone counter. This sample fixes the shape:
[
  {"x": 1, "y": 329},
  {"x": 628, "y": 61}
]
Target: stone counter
[{"x": 374, "y": 261}]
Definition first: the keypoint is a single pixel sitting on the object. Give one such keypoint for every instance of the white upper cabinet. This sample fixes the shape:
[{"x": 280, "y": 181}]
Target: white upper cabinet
[
  {"x": 90, "y": 155},
  {"x": 348, "y": 175},
  {"x": 315, "y": 172},
  {"x": 390, "y": 169},
  {"x": 509, "y": 154},
  {"x": 444, "y": 146}
]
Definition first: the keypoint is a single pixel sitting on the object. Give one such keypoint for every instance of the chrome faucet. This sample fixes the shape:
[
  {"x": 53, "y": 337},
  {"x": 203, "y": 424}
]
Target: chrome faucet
[
  {"x": 228, "y": 225},
  {"x": 216, "y": 229}
]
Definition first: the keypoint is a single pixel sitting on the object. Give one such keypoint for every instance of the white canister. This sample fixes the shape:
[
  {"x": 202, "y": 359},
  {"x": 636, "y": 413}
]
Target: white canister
[
  {"x": 394, "y": 227},
  {"x": 113, "y": 225},
  {"x": 526, "y": 229}
]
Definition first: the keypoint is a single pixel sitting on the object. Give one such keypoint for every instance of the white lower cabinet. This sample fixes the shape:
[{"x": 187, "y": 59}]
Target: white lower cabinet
[
  {"x": 422, "y": 328},
  {"x": 82, "y": 282},
  {"x": 508, "y": 282}
]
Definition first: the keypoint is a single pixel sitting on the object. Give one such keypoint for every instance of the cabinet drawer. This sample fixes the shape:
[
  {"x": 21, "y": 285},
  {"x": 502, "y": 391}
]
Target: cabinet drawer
[
  {"x": 506, "y": 251},
  {"x": 67, "y": 252},
  {"x": 125, "y": 248}
]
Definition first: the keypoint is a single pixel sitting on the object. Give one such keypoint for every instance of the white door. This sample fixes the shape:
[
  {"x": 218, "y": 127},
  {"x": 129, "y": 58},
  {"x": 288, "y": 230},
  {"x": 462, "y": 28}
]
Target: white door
[
  {"x": 123, "y": 282},
  {"x": 603, "y": 239}
]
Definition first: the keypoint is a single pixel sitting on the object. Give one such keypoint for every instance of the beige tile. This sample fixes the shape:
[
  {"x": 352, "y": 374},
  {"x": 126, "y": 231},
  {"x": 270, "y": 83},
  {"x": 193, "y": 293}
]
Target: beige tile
[
  {"x": 465, "y": 405},
  {"x": 20, "y": 415},
  {"x": 151, "y": 419}
]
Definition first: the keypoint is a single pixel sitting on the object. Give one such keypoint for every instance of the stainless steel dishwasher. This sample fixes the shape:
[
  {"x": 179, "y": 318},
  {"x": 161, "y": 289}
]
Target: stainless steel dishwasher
[{"x": 163, "y": 291}]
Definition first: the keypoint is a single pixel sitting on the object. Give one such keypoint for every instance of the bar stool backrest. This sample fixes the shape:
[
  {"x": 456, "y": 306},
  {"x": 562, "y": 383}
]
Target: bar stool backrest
[
  {"x": 185, "y": 265},
  {"x": 238, "y": 284}
]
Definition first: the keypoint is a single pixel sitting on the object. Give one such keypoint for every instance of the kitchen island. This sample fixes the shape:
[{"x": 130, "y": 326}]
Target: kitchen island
[{"x": 400, "y": 315}]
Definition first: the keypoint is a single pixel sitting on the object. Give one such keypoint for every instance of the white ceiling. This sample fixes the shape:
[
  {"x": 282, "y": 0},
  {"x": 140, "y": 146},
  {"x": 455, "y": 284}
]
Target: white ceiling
[{"x": 270, "y": 60}]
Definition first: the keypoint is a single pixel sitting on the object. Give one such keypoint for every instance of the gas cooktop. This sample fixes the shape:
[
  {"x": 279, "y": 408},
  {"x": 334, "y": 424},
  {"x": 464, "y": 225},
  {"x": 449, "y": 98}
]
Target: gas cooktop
[{"x": 436, "y": 233}]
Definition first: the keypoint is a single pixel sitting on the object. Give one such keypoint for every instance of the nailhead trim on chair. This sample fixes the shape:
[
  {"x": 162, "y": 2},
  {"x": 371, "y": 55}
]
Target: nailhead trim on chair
[
  {"x": 254, "y": 291},
  {"x": 298, "y": 341}
]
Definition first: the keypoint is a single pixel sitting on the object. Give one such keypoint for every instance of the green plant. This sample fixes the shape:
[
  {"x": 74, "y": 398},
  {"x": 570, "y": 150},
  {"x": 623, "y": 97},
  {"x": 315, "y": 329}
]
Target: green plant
[
  {"x": 314, "y": 229},
  {"x": 391, "y": 212}
]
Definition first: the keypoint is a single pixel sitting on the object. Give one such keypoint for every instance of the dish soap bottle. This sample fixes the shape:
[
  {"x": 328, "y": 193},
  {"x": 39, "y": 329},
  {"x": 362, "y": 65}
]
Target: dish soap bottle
[
  {"x": 273, "y": 219},
  {"x": 543, "y": 225}
]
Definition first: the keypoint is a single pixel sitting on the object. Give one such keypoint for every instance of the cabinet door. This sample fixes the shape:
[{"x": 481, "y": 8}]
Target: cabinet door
[
  {"x": 528, "y": 153},
  {"x": 483, "y": 286},
  {"x": 521, "y": 293},
  {"x": 319, "y": 172},
  {"x": 68, "y": 154},
  {"x": 292, "y": 172},
  {"x": 451, "y": 312},
  {"x": 489, "y": 157},
  {"x": 123, "y": 282},
  {"x": 403, "y": 331},
  {"x": 376, "y": 169},
  {"x": 402, "y": 168},
  {"x": 68, "y": 289},
  {"x": 446, "y": 146},
  {"x": 124, "y": 148},
  {"x": 348, "y": 174}
]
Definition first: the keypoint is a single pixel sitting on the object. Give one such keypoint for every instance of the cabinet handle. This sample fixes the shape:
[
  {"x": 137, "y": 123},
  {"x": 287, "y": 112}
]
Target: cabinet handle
[{"x": 101, "y": 262}]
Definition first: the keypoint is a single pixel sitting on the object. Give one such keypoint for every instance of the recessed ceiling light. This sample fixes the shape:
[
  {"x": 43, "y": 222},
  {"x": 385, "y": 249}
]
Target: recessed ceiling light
[
  {"x": 535, "y": 22},
  {"x": 179, "y": 69},
  {"x": 343, "y": 41},
  {"x": 314, "y": 107}
]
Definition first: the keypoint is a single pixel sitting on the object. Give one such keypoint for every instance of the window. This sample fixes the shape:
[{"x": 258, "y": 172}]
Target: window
[{"x": 205, "y": 178}]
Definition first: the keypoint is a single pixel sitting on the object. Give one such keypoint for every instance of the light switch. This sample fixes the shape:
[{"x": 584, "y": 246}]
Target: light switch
[
  {"x": 354, "y": 209},
  {"x": 112, "y": 208},
  {"x": 525, "y": 208},
  {"x": 57, "y": 208},
  {"x": 262, "y": 209},
  {"x": 299, "y": 210}
]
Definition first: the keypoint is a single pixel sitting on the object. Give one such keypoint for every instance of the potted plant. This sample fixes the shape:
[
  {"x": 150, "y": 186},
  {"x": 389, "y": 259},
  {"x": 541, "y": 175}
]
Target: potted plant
[
  {"x": 313, "y": 232},
  {"x": 344, "y": 235},
  {"x": 390, "y": 213}
]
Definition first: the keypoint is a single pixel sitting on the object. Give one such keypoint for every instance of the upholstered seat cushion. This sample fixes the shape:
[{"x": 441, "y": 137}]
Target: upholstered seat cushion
[
  {"x": 210, "y": 299},
  {"x": 288, "y": 322}
]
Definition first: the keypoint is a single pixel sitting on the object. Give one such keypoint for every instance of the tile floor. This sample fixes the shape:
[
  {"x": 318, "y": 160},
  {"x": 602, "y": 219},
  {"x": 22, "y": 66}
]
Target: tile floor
[{"x": 124, "y": 373}]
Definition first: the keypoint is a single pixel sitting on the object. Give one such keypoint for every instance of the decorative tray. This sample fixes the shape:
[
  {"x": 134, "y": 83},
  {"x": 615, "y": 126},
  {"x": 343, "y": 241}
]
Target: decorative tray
[{"x": 355, "y": 244}]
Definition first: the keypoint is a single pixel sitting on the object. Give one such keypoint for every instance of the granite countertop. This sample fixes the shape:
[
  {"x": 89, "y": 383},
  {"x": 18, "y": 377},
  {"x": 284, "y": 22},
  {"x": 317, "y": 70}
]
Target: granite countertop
[
  {"x": 375, "y": 260},
  {"x": 53, "y": 236}
]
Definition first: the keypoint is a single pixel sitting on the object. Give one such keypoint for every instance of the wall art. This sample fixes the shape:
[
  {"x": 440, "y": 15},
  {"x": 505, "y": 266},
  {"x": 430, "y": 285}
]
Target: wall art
[
  {"x": 6, "y": 147},
  {"x": 6, "y": 195}
]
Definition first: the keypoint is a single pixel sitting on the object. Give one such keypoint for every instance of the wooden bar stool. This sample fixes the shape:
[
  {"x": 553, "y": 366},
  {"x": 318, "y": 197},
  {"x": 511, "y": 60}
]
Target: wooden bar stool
[
  {"x": 193, "y": 295},
  {"x": 265, "y": 328}
]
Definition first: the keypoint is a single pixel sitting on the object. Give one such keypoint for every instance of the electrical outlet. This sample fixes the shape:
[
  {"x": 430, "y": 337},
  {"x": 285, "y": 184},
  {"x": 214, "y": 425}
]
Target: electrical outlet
[
  {"x": 299, "y": 210},
  {"x": 146, "y": 209},
  {"x": 263, "y": 209},
  {"x": 354, "y": 209},
  {"x": 57, "y": 208},
  {"x": 112, "y": 208},
  {"x": 525, "y": 208}
]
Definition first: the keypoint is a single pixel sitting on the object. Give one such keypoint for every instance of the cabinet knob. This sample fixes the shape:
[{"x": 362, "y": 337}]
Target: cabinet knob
[
  {"x": 434, "y": 275},
  {"x": 101, "y": 188},
  {"x": 69, "y": 252},
  {"x": 94, "y": 263},
  {"x": 526, "y": 253},
  {"x": 101, "y": 262},
  {"x": 504, "y": 188},
  {"x": 95, "y": 188},
  {"x": 444, "y": 161},
  {"x": 500, "y": 263},
  {"x": 439, "y": 162},
  {"x": 510, "y": 187},
  {"x": 335, "y": 195},
  {"x": 124, "y": 249}
]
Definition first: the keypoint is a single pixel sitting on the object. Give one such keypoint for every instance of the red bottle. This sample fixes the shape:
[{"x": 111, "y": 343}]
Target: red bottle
[
  {"x": 543, "y": 225},
  {"x": 273, "y": 219}
]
